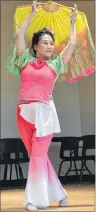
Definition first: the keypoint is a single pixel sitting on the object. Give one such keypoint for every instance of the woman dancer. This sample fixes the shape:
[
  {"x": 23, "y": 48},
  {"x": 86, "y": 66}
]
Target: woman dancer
[{"x": 36, "y": 114}]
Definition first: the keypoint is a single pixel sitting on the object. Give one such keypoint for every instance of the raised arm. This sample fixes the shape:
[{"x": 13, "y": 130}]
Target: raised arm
[
  {"x": 20, "y": 34},
  {"x": 68, "y": 50}
]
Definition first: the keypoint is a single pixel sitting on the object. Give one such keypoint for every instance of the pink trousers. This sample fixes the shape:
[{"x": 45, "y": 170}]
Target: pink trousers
[{"x": 42, "y": 185}]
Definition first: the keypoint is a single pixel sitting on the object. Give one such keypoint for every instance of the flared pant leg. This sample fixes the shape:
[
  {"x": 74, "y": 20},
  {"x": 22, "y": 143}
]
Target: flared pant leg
[{"x": 42, "y": 185}]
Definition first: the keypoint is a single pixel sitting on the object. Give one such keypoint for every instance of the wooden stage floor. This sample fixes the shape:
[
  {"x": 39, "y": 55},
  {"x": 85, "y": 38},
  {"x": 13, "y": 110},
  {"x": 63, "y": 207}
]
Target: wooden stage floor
[{"x": 81, "y": 198}]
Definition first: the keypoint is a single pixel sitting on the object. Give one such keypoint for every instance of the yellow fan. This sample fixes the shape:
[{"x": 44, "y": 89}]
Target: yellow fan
[
  {"x": 57, "y": 17},
  {"x": 52, "y": 15}
]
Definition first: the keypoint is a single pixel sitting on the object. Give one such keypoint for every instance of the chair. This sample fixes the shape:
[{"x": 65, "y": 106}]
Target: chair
[
  {"x": 69, "y": 144},
  {"x": 16, "y": 146},
  {"x": 88, "y": 143}
]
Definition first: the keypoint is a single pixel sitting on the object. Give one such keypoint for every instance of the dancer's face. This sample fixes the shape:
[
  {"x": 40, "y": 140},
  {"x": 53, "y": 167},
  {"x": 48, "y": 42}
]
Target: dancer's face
[{"x": 45, "y": 46}]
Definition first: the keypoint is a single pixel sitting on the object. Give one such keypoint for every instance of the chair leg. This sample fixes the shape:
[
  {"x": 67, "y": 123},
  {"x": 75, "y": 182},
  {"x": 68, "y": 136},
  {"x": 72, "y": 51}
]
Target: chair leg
[
  {"x": 5, "y": 175},
  {"x": 19, "y": 171},
  {"x": 21, "y": 174},
  {"x": 10, "y": 171},
  {"x": 81, "y": 173},
  {"x": 16, "y": 171},
  {"x": 87, "y": 168},
  {"x": 67, "y": 172},
  {"x": 76, "y": 169},
  {"x": 60, "y": 168},
  {"x": 5, "y": 172},
  {"x": 68, "y": 169}
]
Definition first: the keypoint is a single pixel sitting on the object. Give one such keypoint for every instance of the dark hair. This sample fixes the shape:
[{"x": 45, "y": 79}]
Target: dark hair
[{"x": 36, "y": 37}]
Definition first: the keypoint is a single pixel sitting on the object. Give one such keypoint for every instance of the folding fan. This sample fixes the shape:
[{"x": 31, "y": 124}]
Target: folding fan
[{"x": 57, "y": 17}]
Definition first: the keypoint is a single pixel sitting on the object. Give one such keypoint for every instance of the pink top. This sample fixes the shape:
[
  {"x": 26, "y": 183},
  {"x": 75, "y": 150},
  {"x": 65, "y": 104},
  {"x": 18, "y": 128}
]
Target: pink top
[
  {"x": 37, "y": 81},
  {"x": 38, "y": 76}
]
